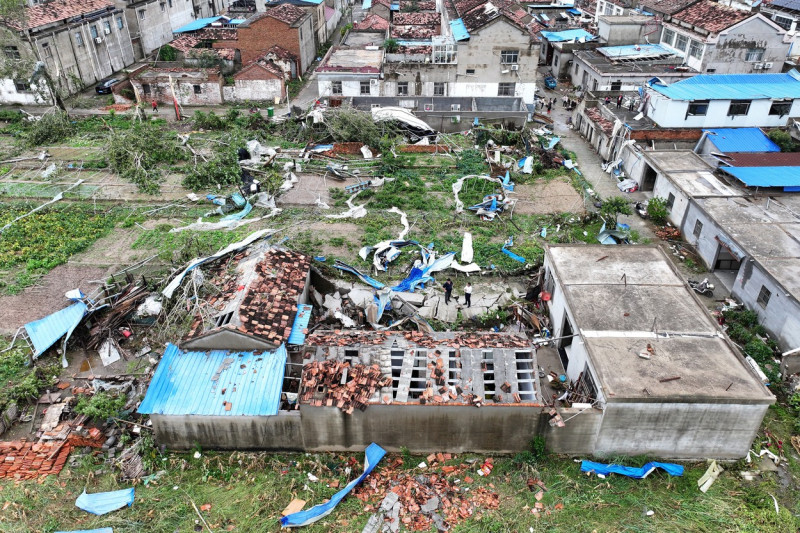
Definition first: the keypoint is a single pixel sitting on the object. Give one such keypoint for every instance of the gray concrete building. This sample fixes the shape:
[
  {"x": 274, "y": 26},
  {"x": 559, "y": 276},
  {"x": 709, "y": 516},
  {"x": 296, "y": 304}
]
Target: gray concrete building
[
  {"x": 661, "y": 377},
  {"x": 151, "y": 22}
]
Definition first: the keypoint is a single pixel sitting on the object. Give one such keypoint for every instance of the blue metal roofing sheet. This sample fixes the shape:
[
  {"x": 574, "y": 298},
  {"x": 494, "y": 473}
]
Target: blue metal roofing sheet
[
  {"x": 766, "y": 176},
  {"x": 573, "y": 11},
  {"x": 459, "y": 30},
  {"x": 367, "y": 4},
  {"x": 567, "y": 35},
  {"x": 234, "y": 22},
  {"x": 46, "y": 331},
  {"x": 732, "y": 87},
  {"x": 198, "y": 24},
  {"x": 202, "y": 383},
  {"x": 300, "y": 324},
  {"x": 741, "y": 140}
]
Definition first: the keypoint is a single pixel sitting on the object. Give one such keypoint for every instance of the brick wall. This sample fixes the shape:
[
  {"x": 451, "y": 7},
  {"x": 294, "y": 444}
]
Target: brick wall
[
  {"x": 684, "y": 134},
  {"x": 260, "y": 35}
]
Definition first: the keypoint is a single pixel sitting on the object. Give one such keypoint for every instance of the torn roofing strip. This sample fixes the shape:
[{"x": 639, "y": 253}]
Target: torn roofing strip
[{"x": 46, "y": 331}]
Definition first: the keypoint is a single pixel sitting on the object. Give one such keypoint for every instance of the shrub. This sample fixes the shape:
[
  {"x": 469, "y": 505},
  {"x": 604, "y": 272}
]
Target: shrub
[
  {"x": 614, "y": 206},
  {"x": 50, "y": 128},
  {"x": 167, "y": 53},
  {"x": 783, "y": 140},
  {"x": 101, "y": 406},
  {"x": 208, "y": 121},
  {"x": 391, "y": 46},
  {"x": 657, "y": 211}
]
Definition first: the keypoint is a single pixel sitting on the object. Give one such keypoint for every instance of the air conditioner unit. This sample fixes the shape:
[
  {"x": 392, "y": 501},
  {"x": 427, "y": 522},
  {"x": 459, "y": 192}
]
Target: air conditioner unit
[
  {"x": 514, "y": 67},
  {"x": 428, "y": 107},
  {"x": 455, "y": 107},
  {"x": 107, "y": 31},
  {"x": 767, "y": 65},
  {"x": 98, "y": 40},
  {"x": 758, "y": 66}
]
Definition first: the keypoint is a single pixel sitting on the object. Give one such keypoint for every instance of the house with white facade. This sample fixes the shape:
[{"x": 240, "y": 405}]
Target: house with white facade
[
  {"x": 152, "y": 22},
  {"x": 724, "y": 101},
  {"x": 714, "y": 38}
]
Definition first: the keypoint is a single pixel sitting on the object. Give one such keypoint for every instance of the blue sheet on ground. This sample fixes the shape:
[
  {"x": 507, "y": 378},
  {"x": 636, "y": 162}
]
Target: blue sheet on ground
[
  {"x": 637, "y": 473},
  {"x": 241, "y": 214},
  {"x": 513, "y": 256},
  {"x": 101, "y": 503},
  {"x": 415, "y": 277},
  {"x": 372, "y": 457},
  {"x": 363, "y": 277}
]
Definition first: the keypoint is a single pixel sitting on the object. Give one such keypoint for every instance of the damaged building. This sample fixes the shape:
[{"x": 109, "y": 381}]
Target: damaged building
[{"x": 661, "y": 377}]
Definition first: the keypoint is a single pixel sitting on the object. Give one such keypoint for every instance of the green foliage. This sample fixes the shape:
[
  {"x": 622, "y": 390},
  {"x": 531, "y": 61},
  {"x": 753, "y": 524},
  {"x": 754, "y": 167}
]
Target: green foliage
[
  {"x": 186, "y": 245},
  {"x": 391, "y": 46},
  {"x": 657, "y": 210},
  {"x": 49, "y": 129},
  {"x": 410, "y": 7},
  {"x": 614, "y": 206},
  {"x": 743, "y": 329},
  {"x": 10, "y": 115},
  {"x": 783, "y": 139},
  {"x": 346, "y": 28},
  {"x": 167, "y": 53},
  {"x": 536, "y": 452},
  {"x": 471, "y": 162},
  {"x": 352, "y": 125},
  {"x": 208, "y": 121},
  {"x": 101, "y": 406},
  {"x": 19, "y": 381},
  {"x": 407, "y": 191},
  {"x": 139, "y": 153}
]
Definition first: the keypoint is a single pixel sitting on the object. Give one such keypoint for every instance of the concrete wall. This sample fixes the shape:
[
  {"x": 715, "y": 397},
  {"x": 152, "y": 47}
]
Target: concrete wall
[
  {"x": 672, "y": 114},
  {"x": 729, "y": 54},
  {"x": 679, "y": 430},
  {"x": 10, "y": 95},
  {"x": 154, "y": 29},
  {"x": 259, "y": 36},
  {"x": 662, "y": 189},
  {"x": 630, "y": 81},
  {"x": 579, "y": 434},
  {"x": 280, "y": 432},
  {"x": 351, "y": 84}
]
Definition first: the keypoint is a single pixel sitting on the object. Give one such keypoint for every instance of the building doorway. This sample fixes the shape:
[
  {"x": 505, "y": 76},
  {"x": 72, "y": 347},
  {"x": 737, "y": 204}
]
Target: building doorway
[{"x": 648, "y": 179}]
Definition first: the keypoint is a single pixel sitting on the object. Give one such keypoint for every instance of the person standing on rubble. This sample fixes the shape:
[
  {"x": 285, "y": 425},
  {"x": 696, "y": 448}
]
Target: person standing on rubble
[
  {"x": 448, "y": 290},
  {"x": 468, "y": 294}
]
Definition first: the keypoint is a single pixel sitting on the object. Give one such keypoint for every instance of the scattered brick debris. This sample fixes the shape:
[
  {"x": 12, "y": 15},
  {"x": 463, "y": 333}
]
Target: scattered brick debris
[
  {"x": 339, "y": 384},
  {"x": 458, "y": 340},
  {"x": 428, "y": 499},
  {"x": 668, "y": 233},
  {"x": 22, "y": 459},
  {"x": 118, "y": 107}
]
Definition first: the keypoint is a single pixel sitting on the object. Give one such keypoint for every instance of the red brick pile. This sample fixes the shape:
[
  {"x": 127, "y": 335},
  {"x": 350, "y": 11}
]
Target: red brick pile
[
  {"x": 348, "y": 148},
  {"x": 422, "y": 340},
  {"x": 22, "y": 459},
  {"x": 414, "y": 490},
  {"x": 668, "y": 233},
  {"x": 322, "y": 384},
  {"x": 422, "y": 149}
]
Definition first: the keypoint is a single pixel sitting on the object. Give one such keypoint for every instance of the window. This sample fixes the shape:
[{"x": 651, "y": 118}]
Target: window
[
  {"x": 142, "y": 13},
  {"x": 46, "y": 52},
  {"x": 783, "y": 22},
  {"x": 22, "y": 86},
  {"x": 616, "y": 85},
  {"x": 668, "y": 37},
  {"x": 146, "y": 88},
  {"x": 402, "y": 88},
  {"x": 681, "y": 42},
  {"x": 695, "y": 49},
  {"x": 336, "y": 87},
  {"x": 670, "y": 201},
  {"x": 163, "y": 7},
  {"x": 698, "y": 228},
  {"x": 710, "y": 70},
  {"x": 170, "y": 4},
  {"x": 698, "y": 108},
  {"x": 505, "y": 89},
  {"x": 12, "y": 52},
  {"x": 509, "y": 56},
  {"x": 470, "y": 71},
  {"x": 364, "y": 87},
  {"x": 763, "y": 297},
  {"x": 120, "y": 25},
  {"x": 780, "y": 107},
  {"x": 107, "y": 27},
  {"x": 78, "y": 38},
  {"x": 609, "y": 10},
  {"x": 93, "y": 31},
  {"x": 438, "y": 88},
  {"x": 738, "y": 108},
  {"x": 754, "y": 54},
  {"x": 197, "y": 89}
]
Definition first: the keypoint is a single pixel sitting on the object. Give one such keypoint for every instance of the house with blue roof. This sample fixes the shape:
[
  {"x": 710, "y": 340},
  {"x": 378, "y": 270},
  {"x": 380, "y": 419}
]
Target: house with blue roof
[
  {"x": 724, "y": 101},
  {"x": 558, "y": 47}
]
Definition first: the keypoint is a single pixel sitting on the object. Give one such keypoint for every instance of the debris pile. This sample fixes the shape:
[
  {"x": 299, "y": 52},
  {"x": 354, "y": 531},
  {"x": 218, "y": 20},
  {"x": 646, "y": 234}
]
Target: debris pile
[
  {"x": 107, "y": 321},
  {"x": 441, "y": 499},
  {"x": 28, "y": 460},
  {"x": 668, "y": 233},
  {"x": 454, "y": 340},
  {"x": 334, "y": 383}
]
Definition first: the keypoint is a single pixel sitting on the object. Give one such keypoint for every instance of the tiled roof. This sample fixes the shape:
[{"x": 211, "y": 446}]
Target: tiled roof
[
  {"x": 228, "y": 54},
  {"x": 281, "y": 53},
  {"x": 711, "y": 16},
  {"x": 287, "y": 13},
  {"x": 372, "y": 22},
  {"x": 270, "y": 304},
  {"x": 265, "y": 64},
  {"x": 424, "y": 19},
  {"x": 338, "y": 384},
  {"x": 764, "y": 159},
  {"x": 596, "y": 116},
  {"x": 422, "y": 5},
  {"x": 478, "y": 13},
  {"x": 186, "y": 42},
  {"x": 43, "y": 14},
  {"x": 455, "y": 340},
  {"x": 414, "y": 32},
  {"x": 668, "y": 7},
  {"x": 223, "y": 34}
]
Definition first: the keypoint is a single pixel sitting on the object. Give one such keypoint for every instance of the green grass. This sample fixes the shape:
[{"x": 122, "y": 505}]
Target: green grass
[{"x": 186, "y": 245}]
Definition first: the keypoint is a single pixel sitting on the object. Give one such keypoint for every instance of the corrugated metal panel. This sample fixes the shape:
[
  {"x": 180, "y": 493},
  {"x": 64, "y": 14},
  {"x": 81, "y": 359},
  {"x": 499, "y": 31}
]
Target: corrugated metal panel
[
  {"x": 741, "y": 140},
  {"x": 766, "y": 176},
  {"x": 567, "y": 35},
  {"x": 732, "y": 87},
  {"x": 300, "y": 324},
  {"x": 366, "y": 5},
  {"x": 201, "y": 383},
  {"x": 198, "y": 24},
  {"x": 459, "y": 30},
  {"x": 46, "y": 331}
]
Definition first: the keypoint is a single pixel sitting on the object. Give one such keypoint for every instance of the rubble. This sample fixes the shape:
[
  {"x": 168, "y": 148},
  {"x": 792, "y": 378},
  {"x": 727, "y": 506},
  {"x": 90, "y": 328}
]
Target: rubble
[{"x": 342, "y": 385}]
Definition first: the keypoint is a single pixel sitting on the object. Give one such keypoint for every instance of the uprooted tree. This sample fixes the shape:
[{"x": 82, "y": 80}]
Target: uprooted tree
[{"x": 139, "y": 153}]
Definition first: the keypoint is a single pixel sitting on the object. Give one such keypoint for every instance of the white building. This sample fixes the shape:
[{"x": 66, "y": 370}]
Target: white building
[{"x": 725, "y": 101}]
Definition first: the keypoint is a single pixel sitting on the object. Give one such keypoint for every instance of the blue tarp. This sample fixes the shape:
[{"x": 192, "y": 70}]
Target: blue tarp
[
  {"x": 101, "y": 530},
  {"x": 211, "y": 383},
  {"x": 766, "y": 176},
  {"x": 567, "y": 35},
  {"x": 241, "y": 214},
  {"x": 363, "y": 277},
  {"x": 731, "y": 86},
  {"x": 573, "y": 11},
  {"x": 552, "y": 143},
  {"x": 300, "y": 324},
  {"x": 459, "y": 30},
  {"x": 101, "y": 503},
  {"x": 372, "y": 457},
  {"x": 637, "y": 473},
  {"x": 198, "y": 24},
  {"x": 415, "y": 277},
  {"x": 366, "y": 5},
  {"x": 741, "y": 140},
  {"x": 513, "y": 256},
  {"x": 44, "y": 332}
]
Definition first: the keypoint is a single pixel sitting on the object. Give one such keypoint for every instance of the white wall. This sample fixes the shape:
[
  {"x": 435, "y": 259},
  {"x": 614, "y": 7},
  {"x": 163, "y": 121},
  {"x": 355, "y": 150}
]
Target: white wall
[
  {"x": 672, "y": 114},
  {"x": 10, "y": 95},
  {"x": 255, "y": 90},
  {"x": 663, "y": 188},
  {"x": 349, "y": 88}
]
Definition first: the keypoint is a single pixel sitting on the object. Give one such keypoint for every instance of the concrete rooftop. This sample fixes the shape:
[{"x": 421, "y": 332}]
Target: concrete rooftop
[
  {"x": 605, "y": 265},
  {"x": 690, "y": 173}
]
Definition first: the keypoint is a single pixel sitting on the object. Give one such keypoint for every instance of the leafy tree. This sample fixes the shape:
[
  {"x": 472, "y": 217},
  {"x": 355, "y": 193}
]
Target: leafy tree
[
  {"x": 615, "y": 206},
  {"x": 657, "y": 211},
  {"x": 167, "y": 53},
  {"x": 783, "y": 140},
  {"x": 391, "y": 46}
]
